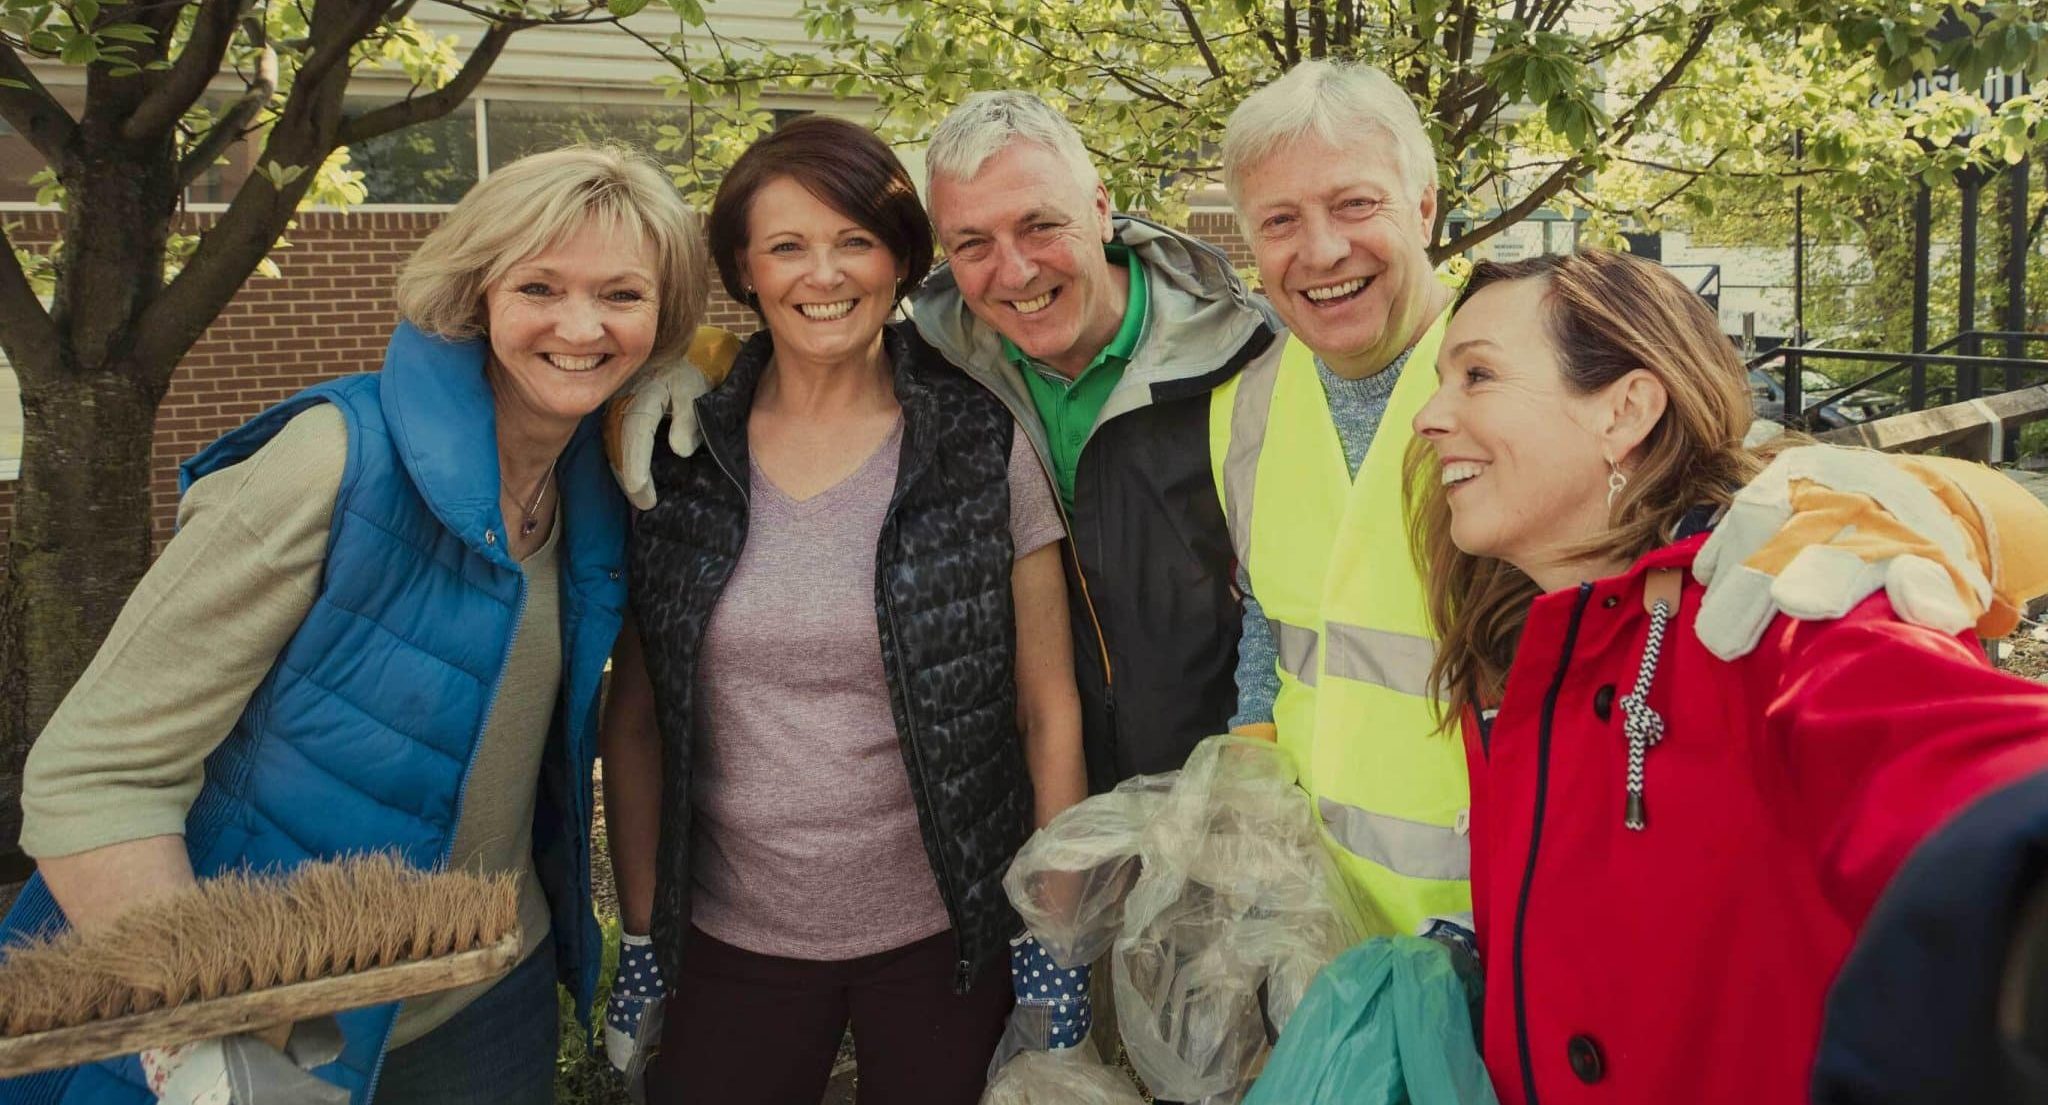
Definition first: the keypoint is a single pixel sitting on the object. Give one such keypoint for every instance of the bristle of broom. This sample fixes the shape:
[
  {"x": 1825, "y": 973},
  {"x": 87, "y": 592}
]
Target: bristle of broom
[{"x": 242, "y": 932}]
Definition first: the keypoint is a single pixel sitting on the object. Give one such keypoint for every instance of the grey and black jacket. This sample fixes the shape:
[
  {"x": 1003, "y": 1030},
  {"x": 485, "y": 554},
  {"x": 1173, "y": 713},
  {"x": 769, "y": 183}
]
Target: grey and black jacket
[
  {"x": 1149, "y": 563},
  {"x": 942, "y": 604}
]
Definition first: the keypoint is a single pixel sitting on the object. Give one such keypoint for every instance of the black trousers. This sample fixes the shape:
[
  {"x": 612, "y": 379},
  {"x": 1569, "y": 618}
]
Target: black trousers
[{"x": 750, "y": 1029}]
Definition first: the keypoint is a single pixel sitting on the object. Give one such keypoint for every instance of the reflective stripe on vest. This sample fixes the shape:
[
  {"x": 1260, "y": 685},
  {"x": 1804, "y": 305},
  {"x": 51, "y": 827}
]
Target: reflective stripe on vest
[
  {"x": 1404, "y": 847},
  {"x": 1329, "y": 561},
  {"x": 1396, "y": 661},
  {"x": 1254, "y": 389},
  {"x": 1296, "y": 646}
]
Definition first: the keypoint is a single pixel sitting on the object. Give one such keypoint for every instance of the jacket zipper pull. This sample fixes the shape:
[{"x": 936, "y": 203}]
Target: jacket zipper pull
[{"x": 1641, "y": 723}]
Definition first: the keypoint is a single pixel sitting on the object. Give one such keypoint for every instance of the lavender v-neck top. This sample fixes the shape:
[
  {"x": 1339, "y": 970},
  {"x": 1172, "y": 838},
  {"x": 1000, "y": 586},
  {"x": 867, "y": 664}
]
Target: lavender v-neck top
[{"x": 806, "y": 840}]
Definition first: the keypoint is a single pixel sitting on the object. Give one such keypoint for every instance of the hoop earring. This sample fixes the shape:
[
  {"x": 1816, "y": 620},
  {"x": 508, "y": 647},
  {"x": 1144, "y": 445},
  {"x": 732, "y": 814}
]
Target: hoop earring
[{"x": 1615, "y": 482}]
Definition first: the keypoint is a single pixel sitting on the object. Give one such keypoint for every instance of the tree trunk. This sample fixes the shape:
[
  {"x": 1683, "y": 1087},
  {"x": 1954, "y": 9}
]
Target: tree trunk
[
  {"x": 80, "y": 538},
  {"x": 79, "y": 543}
]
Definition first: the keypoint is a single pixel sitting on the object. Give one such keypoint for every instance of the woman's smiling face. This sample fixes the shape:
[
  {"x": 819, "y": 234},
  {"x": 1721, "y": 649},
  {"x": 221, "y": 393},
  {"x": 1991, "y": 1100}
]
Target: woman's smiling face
[
  {"x": 1522, "y": 464},
  {"x": 571, "y": 324},
  {"x": 824, "y": 283}
]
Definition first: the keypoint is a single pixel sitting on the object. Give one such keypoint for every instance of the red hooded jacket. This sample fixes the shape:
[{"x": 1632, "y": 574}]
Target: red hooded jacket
[{"x": 1690, "y": 960}]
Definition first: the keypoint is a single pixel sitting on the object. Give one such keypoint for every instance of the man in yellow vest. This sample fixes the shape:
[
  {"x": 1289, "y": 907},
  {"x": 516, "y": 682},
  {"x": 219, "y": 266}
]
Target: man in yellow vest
[{"x": 1334, "y": 183}]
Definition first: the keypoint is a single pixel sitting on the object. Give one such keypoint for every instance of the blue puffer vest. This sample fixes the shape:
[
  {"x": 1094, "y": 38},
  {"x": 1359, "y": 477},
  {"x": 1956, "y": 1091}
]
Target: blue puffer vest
[{"x": 361, "y": 736}]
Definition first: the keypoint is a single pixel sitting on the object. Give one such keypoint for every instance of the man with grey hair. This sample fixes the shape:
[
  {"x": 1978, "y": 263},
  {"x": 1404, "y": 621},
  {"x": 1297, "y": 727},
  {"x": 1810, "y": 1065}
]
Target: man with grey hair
[
  {"x": 1104, "y": 334},
  {"x": 1334, "y": 184}
]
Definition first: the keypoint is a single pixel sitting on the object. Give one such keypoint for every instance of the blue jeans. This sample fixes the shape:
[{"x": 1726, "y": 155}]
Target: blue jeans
[{"x": 500, "y": 1050}]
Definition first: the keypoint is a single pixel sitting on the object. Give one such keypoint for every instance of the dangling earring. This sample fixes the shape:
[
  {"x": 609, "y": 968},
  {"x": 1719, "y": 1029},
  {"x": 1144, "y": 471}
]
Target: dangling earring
[{"x": 1615, "y": 482}]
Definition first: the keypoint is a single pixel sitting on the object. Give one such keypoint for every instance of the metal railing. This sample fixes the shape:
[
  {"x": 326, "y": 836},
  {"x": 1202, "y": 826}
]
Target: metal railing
[
  {"x": 1969, "y": 368},
  {"x": 1708, "y": 286}
]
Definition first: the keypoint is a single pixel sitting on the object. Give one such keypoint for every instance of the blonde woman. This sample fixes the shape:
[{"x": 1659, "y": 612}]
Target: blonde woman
[{"x": 381, "y": 627}]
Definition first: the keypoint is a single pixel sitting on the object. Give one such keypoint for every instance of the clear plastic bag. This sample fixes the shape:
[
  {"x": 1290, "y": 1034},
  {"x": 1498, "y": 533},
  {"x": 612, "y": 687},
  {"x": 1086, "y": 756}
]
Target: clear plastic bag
[
  {"x": 1070, "y": 1077},
  {"x": 1212, "y": 887},
  {"x": 1070, "y": 879}
]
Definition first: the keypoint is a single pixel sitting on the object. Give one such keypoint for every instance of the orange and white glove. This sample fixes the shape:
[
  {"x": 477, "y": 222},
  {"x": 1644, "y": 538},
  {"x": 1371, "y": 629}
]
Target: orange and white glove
[
  {"x": 1953, "y": 545},
  {"x": 663, "y": 391}
]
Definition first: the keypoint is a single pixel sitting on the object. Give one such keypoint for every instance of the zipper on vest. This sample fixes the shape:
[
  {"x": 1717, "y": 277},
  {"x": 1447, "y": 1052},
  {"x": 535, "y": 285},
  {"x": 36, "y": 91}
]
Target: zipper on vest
[
  {"x": 746, "y": 490},
  {"x": 1081, "y": 575},
  {"x": 461, "y": 796},
  {"x": 961, "y": 968},
  {"x": 1073, "y": 539},
  {"x": 1564, "y": 661}
]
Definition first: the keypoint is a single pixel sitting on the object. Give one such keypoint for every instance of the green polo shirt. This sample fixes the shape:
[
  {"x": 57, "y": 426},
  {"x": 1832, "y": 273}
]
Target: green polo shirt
[{"x": 1068, "y": 408}]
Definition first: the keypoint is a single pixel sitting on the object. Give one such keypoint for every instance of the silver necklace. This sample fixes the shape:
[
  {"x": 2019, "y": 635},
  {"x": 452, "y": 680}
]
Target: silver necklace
[{"x": 531, "y": 521}]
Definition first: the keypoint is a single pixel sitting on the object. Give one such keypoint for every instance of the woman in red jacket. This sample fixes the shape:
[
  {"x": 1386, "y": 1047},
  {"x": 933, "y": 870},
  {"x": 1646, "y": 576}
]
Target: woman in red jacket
[{"x": 1674, "y": 855}]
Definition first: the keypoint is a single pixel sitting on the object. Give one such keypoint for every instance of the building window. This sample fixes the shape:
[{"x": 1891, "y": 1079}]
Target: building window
[
  {"x": 219, "y": 182},
  {"x": 520, "y": 127},
  {"x": 19, "y": 161},
  {"x": 431, "y": 162},
  {"x": 10, "y": 421}
]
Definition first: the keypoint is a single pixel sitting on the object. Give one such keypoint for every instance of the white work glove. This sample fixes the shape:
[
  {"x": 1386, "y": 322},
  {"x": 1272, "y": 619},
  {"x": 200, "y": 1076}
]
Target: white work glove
[
  {"x": 633, "y": 1013},
  {"x": 663, "y": 391},
  {"x": 635, "y": 415},
  {"x": 1825, "y": 527},
  {"x": 243, "y": 1070}
]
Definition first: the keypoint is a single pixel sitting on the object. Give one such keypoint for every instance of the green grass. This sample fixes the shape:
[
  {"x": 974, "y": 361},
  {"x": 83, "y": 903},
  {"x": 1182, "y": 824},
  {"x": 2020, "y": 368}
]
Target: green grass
[{"x": 582, "y": 1074}]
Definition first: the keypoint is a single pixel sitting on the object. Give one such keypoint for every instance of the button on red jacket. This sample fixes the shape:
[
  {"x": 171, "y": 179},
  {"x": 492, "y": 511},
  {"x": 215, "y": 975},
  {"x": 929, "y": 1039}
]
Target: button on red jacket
[{"x": 1690, "y": 961}]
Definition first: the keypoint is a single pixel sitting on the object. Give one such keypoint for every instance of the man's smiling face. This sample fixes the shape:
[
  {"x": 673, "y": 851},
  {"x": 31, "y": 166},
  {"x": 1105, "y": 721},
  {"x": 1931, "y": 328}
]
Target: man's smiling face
[
  {"x": 1342, "y": 245},
  {"x": 1024, "y": 239}
]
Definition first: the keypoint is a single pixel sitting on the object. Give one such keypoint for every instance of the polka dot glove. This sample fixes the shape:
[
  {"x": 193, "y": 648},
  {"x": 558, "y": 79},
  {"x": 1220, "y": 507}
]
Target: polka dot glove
[
  {"x": 1044, "y": 989},
  {"x": 632, "y": 1017}
]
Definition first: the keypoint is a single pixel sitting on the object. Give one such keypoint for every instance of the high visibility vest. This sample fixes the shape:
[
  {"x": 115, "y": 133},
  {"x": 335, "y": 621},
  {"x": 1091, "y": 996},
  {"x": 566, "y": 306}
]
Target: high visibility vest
[{"x": 1330, "y": 563}]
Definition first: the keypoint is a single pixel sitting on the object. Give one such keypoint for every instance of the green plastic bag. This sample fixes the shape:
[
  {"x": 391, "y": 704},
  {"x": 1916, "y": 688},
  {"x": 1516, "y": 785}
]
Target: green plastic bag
[{"x": 1388, "y": 1023}]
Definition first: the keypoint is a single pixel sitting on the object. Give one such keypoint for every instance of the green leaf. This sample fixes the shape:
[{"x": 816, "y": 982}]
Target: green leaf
[
  {"x": 10, "y": 82},
  {"x": 88, "y": 11},
  {"x": 79, "y": 49},
  {"x": 624, "y": 8},
  {"x": 127, "y": 32},
  {"x": 279, "y": 175}
]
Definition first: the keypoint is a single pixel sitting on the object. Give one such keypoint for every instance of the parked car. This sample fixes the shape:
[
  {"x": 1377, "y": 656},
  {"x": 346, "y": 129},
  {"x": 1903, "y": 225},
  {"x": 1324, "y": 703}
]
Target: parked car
[{"x": 1767, "y": 391}]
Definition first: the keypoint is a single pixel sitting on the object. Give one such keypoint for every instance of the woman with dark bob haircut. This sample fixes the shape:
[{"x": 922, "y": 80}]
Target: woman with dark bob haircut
[{"x": 845, "y": 677}]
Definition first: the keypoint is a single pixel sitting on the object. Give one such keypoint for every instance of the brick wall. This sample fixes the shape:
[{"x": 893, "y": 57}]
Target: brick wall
[
  {"x": 1219, "y": 228},
  {"x": 327, "y": 314}
]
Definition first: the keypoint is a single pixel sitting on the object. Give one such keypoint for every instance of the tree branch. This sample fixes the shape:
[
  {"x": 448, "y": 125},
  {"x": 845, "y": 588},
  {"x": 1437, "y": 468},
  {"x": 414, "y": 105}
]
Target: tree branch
[
  {"x": 332, "y": 48},
  {"x": 32, "y": 110},
  {"x": 300, "y": 138},
  {"x": 1187, "y": 16},
  {"x": 1509, "y": 217},
  {"x": 26, "y": 326},
  {"x": 1140, "y": 92},
  {"x": 1273, "y": 47},
  {"x": 1625, "y": 126},
  {"x": 1627, "y": 122},
  {"x": 213, "y": 28},
  {"x": 414, "y": 110}
]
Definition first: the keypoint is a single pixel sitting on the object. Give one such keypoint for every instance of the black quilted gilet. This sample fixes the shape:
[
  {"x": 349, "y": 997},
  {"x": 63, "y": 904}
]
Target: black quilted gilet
[{"x": 942, "y": 604}]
